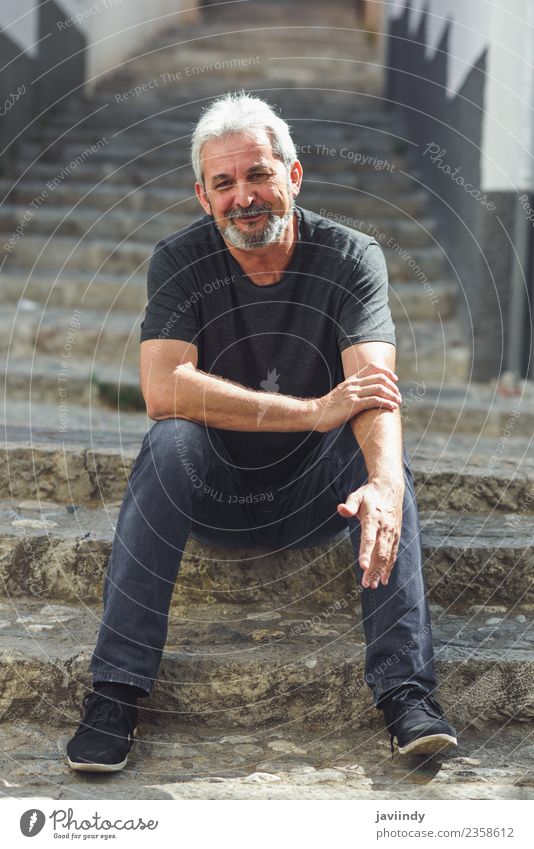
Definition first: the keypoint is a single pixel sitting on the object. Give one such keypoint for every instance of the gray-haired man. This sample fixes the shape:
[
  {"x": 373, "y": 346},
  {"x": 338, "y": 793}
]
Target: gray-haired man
[{"x": 267, "y": 363}]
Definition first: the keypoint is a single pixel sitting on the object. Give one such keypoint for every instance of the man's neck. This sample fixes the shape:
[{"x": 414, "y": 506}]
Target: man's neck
[{"x": 267, "y": 265}]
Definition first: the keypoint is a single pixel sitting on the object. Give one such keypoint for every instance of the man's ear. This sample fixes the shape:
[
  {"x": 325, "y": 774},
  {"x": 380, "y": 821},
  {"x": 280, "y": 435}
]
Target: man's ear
[
  {"x": 296, "y": 177},
  {"x": 203, "y": 198}
]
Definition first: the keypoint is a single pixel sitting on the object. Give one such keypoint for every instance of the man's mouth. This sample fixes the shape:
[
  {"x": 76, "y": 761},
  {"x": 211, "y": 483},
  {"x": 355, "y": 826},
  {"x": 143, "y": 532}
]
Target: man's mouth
[{"x": 249, "y": 217}]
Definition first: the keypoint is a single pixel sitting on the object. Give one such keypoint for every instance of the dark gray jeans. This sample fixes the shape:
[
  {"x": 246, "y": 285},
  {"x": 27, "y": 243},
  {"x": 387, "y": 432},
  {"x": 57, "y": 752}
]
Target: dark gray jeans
[{"x": 176, "y": 488}]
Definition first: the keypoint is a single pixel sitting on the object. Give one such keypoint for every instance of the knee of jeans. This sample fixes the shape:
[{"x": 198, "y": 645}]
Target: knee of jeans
[{"x": 177, "y": 438}]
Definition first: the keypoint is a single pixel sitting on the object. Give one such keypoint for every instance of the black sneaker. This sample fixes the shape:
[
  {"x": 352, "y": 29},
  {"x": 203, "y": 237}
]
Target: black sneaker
[
  {"x": 105, "y": 735},
  {"x": 416, "y": 720}
]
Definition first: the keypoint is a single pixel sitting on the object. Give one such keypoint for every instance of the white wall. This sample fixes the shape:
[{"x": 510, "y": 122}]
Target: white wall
[
  {"x": 18, "y": 18},
  {"x": 505, "y": 28},
  {"x": 468, "y": 36},
  {"x": 117, "y": 28},
  {"x": 508, "y": 129}
]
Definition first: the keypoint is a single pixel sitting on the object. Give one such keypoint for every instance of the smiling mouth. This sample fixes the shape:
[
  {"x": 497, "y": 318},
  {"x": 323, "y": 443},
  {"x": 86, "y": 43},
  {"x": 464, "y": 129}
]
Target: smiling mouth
[
  {"x": 249, "y": 218},
  {"x": 254, "y": 217}
]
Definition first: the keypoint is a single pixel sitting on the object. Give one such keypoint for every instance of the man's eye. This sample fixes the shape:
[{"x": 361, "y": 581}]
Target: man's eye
[
  {"x": 258, "y": 175},
  {"x": 223, "y": 185}
]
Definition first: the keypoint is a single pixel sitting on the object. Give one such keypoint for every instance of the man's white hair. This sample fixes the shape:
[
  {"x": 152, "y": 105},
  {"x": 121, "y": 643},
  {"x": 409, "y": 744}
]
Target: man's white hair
[{"x": 237, "y": 112}]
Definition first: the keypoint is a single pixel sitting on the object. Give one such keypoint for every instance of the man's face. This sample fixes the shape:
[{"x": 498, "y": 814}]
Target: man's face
[{"x": 247, "y": 189}]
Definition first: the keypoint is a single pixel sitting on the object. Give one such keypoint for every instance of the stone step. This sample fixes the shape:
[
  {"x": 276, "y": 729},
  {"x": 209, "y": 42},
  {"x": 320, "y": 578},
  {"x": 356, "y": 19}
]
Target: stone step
[
  {"x": 247, "y": 673},
  {"x": 277, "y": 32},
  {"x": 87, "y": 465},
  {"x": 221, "y": 65},
  {"x": 174, "y": 151},
  {"x": 363, "y": 176},
  {"x": 44, "y": 381},
  {"x": 132, "y": 198},
  {"x": 454, "y": 409},
  {"x": 58, "y": 552},
  {"x": 428, "y": 355},
  {"x": 119, "y": 224},
  {"x": 64, "y": 414},
  {"x": 114, "y": 337},
  {"x": 283, "y": 31},
  {"x": 469, "y": 408},
  {"x": 266, "y": 75},
  {"x": 65, "y": 254},
  {"x": 108, "y": 381},
  {"x": 152, "y": 133},
  {"x": 291, "y": 78},
  {"x": 68, "y": 254},
  {"x": 102, "y": 114},
  {"x": 341, "y": 165},
  {"x": 112, "y": 293},
  {"x": 181, "y": 761}
]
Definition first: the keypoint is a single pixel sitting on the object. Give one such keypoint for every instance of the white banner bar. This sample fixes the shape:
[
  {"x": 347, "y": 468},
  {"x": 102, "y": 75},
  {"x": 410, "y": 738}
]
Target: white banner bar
[{"x": 268, "y": 823}]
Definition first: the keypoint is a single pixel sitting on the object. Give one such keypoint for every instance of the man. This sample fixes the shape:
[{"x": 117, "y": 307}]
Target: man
[{"x": 267, "y": 363}]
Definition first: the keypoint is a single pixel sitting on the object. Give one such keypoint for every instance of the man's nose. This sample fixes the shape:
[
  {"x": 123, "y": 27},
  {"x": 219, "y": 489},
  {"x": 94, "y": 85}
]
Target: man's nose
[{"x": 244, "y": 194}]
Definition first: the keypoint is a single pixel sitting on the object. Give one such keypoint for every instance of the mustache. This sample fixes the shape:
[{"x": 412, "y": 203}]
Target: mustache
[{"x": 254, "y": 209}]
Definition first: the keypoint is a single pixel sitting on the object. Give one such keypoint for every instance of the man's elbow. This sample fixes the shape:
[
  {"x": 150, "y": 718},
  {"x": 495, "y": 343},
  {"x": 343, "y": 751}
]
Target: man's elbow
[
  {"x": 154, "y": 410},
  {"x": 167, "y": 404}
]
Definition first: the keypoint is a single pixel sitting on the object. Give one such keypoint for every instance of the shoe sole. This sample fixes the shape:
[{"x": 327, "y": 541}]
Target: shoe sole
[
  {"x": 94, "y": 767},
  {"x": 428, "y": 745}
]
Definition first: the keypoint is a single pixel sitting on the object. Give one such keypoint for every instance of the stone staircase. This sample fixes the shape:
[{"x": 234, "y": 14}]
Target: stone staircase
[{"x": 261, "y": 691}]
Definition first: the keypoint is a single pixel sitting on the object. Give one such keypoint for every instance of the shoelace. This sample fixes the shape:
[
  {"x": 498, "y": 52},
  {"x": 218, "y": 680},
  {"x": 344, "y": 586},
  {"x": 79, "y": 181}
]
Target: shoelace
[
  {"x": 100, "y": 710},
  {"x": 416, "y": 698},
  {"x": 425, "y": 701}
]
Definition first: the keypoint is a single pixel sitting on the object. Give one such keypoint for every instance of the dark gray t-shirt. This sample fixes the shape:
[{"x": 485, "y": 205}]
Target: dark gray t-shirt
[{"x": 283, "y": 337}]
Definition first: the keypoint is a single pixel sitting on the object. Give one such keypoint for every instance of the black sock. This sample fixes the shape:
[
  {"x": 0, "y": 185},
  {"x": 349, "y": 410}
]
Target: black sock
[{"x": 120, "y": 692}]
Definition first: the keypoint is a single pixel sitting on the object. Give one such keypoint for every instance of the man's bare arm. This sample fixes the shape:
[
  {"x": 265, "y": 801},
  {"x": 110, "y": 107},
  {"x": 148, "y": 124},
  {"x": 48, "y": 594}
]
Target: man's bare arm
[
  {"x": 379, "y": 435},
  {"x": 378, "y": 432},
  {"x": 173, "y": 387},
  {"x": 222, "y": 403},
  {"x": 378, "y": 503}
]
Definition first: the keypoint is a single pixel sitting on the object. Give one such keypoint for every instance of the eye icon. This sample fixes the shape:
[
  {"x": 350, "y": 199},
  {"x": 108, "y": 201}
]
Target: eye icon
[{"x": 32, "y": 822}]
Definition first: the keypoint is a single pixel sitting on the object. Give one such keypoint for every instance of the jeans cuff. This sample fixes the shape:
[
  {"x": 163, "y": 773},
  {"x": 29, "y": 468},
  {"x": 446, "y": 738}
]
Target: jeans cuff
[{"x": 134, "y": 680}]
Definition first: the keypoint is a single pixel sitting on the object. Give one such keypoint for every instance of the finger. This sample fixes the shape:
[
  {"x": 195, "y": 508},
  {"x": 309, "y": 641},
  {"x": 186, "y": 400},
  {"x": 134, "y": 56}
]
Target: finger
[
  {"x": 376, "y": 567},
  {"x": 378, "y": 389},
  {"x": 378, "y": 367},
  {"x": 372, "y": 401},
  {"x": 380, "y": 566},
  {"x": 374, "y": 383},
  {"x": 383, "y": 379},
  {"x": 368, "y": 539},
  {"x": 385, "y": 544},
  {"x": 370, "y": 578},
  {"x": 393, "y": 542},
  {"x": 351, "y": 505},
  {"x": 385, "y": 538}
]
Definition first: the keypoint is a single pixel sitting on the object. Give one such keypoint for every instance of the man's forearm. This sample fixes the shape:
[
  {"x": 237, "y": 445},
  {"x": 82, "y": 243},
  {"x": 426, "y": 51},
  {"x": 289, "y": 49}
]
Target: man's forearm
[
  {"x": 217, "y": 402},
  {"x": 379, "y": 435}
]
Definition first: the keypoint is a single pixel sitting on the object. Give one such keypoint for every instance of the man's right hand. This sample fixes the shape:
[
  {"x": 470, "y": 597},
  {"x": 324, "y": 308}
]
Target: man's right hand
[{"x": 373, "y": 386}]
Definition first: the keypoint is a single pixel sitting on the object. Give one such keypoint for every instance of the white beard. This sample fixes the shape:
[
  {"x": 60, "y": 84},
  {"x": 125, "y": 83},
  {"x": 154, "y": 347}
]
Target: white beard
[{"x": 271, "y": 232}]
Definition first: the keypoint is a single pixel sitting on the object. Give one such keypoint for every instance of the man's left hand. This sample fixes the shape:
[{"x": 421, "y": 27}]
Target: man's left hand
[{"x": 378, "y": 506}]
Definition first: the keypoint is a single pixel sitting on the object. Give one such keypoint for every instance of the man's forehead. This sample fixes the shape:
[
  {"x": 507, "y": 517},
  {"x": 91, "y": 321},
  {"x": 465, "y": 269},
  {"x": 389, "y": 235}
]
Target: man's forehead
[{"x": 241, "y": 150}]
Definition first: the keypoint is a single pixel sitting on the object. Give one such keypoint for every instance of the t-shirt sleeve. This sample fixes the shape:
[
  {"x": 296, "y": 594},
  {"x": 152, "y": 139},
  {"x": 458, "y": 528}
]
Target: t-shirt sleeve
[
  {"x": 170, "y": 312},
  {"x": 365, "y": 315}
]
